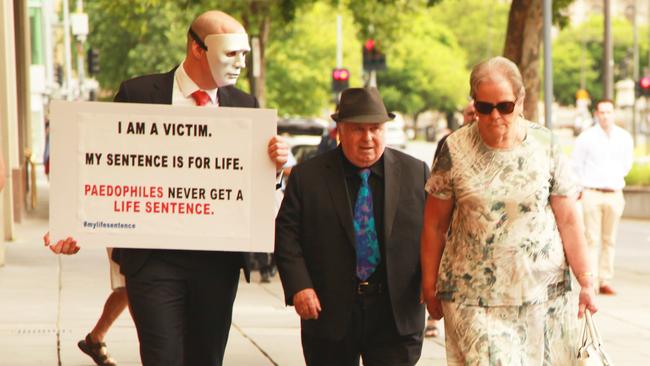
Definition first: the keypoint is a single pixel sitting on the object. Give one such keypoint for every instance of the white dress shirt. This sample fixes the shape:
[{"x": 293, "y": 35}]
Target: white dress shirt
[
  {"x": 184, "y": 87},
  {"x": 603, "y": 160}
]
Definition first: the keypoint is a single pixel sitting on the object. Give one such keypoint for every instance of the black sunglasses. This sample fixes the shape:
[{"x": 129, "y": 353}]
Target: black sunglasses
[
  {"x": 197, "y": 39},
  {"x": 502, "y": 107}
]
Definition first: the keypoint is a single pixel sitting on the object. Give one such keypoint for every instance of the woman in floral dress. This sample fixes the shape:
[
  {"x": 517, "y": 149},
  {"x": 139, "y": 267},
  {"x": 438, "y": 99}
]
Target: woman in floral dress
[{"x": 500, "y": 226}]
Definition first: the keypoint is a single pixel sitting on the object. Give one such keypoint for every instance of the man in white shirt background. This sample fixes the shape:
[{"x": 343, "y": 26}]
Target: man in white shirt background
[{"x": 602, "y": 157}]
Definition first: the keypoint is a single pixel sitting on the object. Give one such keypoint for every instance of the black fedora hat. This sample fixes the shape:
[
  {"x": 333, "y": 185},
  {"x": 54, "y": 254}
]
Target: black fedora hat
[{"x": 362, "y": 105}]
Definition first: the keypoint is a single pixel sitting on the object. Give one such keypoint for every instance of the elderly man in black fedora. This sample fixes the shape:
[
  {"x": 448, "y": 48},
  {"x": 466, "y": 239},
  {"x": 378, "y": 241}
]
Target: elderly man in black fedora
[{"x": 347, "y": 243}]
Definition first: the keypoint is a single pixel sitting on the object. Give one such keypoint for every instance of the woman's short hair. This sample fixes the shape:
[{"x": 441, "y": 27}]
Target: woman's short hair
[{"x": 493, "y": 66}]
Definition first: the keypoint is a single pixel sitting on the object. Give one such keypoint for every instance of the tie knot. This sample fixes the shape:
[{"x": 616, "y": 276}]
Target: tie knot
[
  {"x": 364, "y": 174},
  {"x": 201, "y": 97}
]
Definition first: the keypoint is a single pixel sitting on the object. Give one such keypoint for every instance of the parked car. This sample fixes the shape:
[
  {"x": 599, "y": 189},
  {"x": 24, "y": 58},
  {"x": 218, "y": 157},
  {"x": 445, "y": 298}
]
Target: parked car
[
  {"x": 303, "y": 134},
  {"x": 395, "y": 135}
]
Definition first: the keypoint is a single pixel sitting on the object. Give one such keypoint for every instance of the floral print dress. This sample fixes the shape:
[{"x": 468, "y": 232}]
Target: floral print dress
[{"x": 503, "y": 278}]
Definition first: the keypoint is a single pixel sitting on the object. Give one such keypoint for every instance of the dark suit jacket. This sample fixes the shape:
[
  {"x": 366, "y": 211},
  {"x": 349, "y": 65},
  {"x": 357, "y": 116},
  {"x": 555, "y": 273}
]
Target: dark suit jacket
[
  {"x": 315, "y": 246},
  {"x": 158, "y": 89}
]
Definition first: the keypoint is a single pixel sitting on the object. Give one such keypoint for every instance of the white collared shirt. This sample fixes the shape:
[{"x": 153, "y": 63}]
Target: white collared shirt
[
  {"x": 601, "y": 160},
  {"x": 184, "y": 87}
]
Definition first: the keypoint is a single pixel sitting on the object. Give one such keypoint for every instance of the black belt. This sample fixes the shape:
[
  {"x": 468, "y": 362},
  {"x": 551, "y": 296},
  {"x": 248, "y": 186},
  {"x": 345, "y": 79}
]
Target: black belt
[
  {"x": 602, "y": 190},
  {"x": 367, "y": 288}
]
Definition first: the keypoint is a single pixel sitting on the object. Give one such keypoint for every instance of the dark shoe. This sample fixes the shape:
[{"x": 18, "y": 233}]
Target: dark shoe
[
  {"x": 606, "y": 290},
  {"x": 97, "y": 351},
  {"x": 266, "y": 277}
]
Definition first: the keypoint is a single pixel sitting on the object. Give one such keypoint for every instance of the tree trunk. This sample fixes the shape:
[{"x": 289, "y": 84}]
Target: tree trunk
[
  {"x": 263, "y": 28},
  {"x": 523, "y": 47}
]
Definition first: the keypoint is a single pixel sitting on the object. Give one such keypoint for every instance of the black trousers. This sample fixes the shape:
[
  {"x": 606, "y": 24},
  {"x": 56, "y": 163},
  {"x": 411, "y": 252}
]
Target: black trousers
[
  {"x": 371, "y": 336},
  {"x": 183, "y": 315}
]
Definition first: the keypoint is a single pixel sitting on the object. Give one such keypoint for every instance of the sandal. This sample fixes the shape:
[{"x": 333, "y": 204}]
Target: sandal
[
  {"x": 431, "y": 330},
  {"x": 97, "y": 351}
]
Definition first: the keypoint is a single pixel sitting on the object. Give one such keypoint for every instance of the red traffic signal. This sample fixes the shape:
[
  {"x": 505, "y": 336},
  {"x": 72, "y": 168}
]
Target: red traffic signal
[
  {"x": 373, "y": 58},
  {"x": 644, "y": 86},
  {"x": 645, "y": 82},
  {"x": 340, "y": 80},
  {"x": 369, "y": 45},
  {"x": 340, "y": 74}
]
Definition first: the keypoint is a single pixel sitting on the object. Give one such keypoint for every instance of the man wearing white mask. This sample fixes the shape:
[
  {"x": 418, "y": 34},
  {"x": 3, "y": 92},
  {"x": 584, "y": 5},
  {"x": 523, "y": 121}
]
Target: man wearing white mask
[{"x": 181, "y": 300}]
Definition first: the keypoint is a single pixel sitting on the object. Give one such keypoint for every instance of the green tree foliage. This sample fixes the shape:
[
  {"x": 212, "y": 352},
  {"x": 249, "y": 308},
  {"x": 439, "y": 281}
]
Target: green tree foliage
[
  {"x": 300, "y": 59},
  {"x": 136, "y": 37},
  {"x": 479, "y": 26},
  {"x": 383, "y": 19},
  {"x": 578, "y": 54},
  {"x": 426, "y": 68}
]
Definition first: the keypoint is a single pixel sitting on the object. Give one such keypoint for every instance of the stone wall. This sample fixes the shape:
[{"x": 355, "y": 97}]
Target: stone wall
[{"x": 637, "y": 203}]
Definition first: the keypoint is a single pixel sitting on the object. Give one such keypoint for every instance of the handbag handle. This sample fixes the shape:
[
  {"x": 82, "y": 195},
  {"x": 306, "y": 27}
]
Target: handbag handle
[
  {"x": 593, "y": 330},
  {"x": 591, "y": 335}
]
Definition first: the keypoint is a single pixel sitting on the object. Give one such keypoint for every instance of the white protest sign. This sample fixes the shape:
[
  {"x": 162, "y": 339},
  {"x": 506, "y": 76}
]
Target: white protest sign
[{"x": 160, "y": 176}]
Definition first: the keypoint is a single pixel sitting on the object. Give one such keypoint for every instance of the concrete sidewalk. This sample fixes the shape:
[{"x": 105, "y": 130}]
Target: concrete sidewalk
[{"x": 264, "y": 331}]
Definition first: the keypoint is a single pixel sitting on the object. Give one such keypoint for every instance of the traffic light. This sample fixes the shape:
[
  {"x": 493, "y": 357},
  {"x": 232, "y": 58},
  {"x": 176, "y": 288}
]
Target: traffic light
[
  {"x": 93, "y": 61},
  {"x": 644, "y": 86},
  {"x": 373, "y": 58},
  {"x": 340, "y": 80}
]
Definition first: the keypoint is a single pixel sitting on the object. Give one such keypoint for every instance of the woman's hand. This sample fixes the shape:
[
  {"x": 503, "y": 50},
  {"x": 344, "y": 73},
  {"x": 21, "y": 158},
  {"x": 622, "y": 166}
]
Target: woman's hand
[{"x": 587, "y": 300}]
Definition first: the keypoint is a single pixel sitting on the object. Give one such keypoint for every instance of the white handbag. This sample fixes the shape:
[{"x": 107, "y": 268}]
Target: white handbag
[{"x": 591, "y": 352}]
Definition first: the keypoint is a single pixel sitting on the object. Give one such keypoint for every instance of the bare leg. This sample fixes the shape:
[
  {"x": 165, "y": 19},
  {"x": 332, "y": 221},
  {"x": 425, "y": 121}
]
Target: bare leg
[
  {"x": 431, "y": 329},
  {"x": 114, "y": 306}
]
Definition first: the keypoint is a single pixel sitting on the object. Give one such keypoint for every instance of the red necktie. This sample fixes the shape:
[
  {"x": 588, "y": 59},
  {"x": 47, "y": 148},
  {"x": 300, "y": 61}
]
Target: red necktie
[{"x": 202, "y": 98}]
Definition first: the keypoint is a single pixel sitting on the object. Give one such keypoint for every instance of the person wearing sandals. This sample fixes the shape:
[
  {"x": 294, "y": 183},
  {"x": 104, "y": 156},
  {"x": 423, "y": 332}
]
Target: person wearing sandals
[
  {"x": 93, "y": 344},
  {"x": 182, "y": 300},
  {"x": 500, "y": 234}
]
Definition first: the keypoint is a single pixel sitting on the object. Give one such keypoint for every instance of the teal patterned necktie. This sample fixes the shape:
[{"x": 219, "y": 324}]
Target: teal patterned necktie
[{"x": 365, "y": 233}]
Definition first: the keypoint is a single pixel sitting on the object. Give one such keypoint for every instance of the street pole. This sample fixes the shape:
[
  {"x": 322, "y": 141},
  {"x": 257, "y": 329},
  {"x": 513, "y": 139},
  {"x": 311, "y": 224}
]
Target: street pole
[
  {"x": 67, "y": 54},
  {"x": 339, "y": 52},
  {"x": 372, "y": 74},
  {"x": 339, "y": 42},
  {"x": 548, "y": 65},
  {"x": 256, "y": 67},
  {"x": 608, "y": 49},
  {"x": 79, "y": 22},
  {"x": 635, "y": 67}
]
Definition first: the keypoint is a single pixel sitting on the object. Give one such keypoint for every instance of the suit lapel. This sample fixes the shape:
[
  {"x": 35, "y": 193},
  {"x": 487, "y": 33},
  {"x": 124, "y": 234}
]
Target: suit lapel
[
  {"x": 224, "y": 97},
  {"x": 335, "y": 179},
  {"x": 163, "y": 88},
  {"x": 391, "y": 191}
]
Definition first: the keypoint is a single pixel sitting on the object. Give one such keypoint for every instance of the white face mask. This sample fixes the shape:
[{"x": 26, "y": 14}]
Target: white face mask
[{"x": 226, "y": 56}]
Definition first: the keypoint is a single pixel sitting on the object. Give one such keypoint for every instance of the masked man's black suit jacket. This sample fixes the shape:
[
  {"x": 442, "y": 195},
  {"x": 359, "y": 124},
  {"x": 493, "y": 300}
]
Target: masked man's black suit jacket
[
  {"x": 315, "y": 245},
  {"x": 157, "y": 89},
  {"x": 189, "y": 277}
]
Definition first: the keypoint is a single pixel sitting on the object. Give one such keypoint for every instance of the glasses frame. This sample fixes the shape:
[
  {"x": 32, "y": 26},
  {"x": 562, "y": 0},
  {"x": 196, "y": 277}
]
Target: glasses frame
[
  {"x": 502, "y": 107},
  {"x": 197, "y": 39}
]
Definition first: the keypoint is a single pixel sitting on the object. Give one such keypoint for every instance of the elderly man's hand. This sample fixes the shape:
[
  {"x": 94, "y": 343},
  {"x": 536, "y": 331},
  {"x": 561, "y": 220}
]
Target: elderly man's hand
[
  {"x": 278, "y": 151},
  {"x": 67, "y": 246},
  {"x": 307, "y": 304},
  {"x": 434, "y": 306}
]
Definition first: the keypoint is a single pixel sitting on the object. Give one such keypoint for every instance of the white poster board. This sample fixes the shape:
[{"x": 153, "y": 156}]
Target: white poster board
[{"x": 161, "y": 176}]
